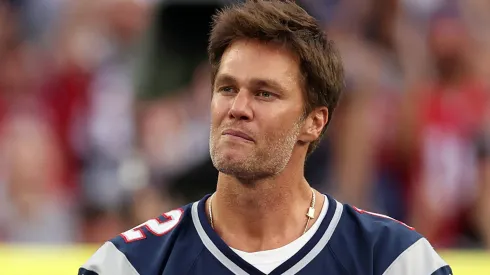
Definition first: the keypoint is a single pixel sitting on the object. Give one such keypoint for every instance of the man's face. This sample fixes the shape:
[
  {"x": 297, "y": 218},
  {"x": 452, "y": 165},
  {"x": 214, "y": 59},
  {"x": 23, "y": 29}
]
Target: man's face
[
  {"x": 256, "y": 110},
  {"x": 447, "y": 41}
]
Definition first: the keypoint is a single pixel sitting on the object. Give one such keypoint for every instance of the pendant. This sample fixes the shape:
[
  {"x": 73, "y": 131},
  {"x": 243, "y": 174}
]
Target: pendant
[{"x": 311, "y": 213}]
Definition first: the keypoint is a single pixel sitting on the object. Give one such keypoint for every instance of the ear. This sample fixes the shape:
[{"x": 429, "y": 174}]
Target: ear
[{"x": 314, "y": 124}]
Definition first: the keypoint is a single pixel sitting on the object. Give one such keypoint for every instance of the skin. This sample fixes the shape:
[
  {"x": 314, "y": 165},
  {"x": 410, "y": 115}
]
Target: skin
[{"x": 262, "y": 195}]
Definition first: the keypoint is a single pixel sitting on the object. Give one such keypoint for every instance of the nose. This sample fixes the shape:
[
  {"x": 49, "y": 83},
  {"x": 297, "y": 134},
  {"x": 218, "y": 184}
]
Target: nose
[{"x": 240, "y": 108}]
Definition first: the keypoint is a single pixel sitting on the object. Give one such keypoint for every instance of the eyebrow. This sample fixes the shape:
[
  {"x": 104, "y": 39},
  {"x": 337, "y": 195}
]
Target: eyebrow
[
  {"x": 224, "y": 78},
  {"x": 254, "y": 82}
]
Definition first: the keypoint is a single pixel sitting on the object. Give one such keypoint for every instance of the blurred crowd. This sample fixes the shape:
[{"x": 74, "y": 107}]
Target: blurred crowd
[{"x": 104, "y": 115}]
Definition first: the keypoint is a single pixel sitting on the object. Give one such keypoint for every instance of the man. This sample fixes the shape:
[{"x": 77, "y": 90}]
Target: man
[
  {"x": 448, "y": 117},
  {"x": 276, "y": 82}
]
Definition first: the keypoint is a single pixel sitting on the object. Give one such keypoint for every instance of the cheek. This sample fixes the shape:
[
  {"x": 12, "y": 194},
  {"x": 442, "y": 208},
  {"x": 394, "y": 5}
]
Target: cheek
[
  {"x": 275, "y": 128},
  {"x": 218, "y": 112},
  {"x": 215, "y": 109},
  {"x": 281, "y": 127}
]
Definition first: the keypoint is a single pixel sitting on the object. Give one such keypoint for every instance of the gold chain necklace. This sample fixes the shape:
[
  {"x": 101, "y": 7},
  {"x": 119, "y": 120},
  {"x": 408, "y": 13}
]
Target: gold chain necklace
[{"x": 310, "y": 214}]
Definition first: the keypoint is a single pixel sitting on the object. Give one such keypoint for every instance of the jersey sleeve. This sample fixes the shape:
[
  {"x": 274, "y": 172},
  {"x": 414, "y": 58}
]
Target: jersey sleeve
[
  {"x": 144, "y": 249},
  {"x": 445, "y": 270},
  {"x": 107, "y": 260},
  {"x": 378, "y": 244},
  {"x": 419, "y": 259}
]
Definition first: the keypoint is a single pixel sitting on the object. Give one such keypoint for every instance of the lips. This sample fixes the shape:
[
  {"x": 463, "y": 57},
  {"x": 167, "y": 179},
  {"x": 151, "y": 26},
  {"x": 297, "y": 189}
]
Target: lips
[{"x": 238, "y": 133}]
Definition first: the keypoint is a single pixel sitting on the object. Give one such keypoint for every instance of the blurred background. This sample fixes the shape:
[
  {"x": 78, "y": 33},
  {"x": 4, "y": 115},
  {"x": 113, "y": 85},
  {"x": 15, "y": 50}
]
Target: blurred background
[{"x": 104, "y": 117}]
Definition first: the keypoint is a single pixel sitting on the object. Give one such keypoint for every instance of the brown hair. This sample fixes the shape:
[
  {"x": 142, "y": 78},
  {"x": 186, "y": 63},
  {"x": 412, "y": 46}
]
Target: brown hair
[{"x": 286, "y": 23}]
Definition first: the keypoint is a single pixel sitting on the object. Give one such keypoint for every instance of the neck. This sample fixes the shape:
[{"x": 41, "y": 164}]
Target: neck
[{"x": 265, "y": 214}]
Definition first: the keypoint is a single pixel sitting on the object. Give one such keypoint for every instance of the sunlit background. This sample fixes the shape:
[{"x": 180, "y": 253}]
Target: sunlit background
[{"x": 104, "y": 121}]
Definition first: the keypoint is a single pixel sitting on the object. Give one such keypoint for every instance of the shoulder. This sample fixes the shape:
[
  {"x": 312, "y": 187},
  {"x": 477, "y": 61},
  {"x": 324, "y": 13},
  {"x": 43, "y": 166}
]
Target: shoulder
[
  {"x": 133, "y": 251},
  {"x": 367, "y": 240}
]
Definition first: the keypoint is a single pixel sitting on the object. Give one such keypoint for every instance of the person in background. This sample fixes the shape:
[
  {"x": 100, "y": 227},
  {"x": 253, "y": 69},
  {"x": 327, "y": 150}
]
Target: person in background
[{"x": 440, "y": 132}]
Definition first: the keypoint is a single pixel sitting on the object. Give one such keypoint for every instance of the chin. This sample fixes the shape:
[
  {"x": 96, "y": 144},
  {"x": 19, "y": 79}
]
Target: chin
[
  {"x": 231, "y": 153},
  {"x": 232, "y": 163},
  {"x": 240, "y": 167},
  {"x": 229, "y": 158},
  {"x": 244, "y": 175}
]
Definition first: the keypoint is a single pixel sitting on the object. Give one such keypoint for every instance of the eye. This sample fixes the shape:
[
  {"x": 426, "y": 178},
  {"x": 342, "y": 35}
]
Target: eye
[
  {"x": 264, "y": 94},
  {"x": 226, "y": 90}
]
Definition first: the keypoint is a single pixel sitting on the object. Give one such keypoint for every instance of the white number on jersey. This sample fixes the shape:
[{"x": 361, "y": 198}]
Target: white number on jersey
[{"x": 155, "y": 226}]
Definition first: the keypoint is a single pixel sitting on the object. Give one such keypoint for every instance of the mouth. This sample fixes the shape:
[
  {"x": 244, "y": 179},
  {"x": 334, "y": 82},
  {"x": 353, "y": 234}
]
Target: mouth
[{"x": 238, "y": 134}]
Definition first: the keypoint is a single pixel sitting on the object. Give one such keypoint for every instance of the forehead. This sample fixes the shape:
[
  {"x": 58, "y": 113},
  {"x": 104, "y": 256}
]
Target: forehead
[{"x": 250, "y": 59}]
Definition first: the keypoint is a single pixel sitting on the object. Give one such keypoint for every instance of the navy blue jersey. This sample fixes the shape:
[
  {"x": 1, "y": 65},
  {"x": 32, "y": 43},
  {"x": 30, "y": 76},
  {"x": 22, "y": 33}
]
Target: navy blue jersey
[{"x": 348, "y": 241}]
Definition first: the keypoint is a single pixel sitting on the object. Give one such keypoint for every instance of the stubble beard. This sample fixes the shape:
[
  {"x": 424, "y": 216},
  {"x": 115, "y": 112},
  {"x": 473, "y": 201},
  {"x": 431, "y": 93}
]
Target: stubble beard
[{"x": 259, "y": 163}]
